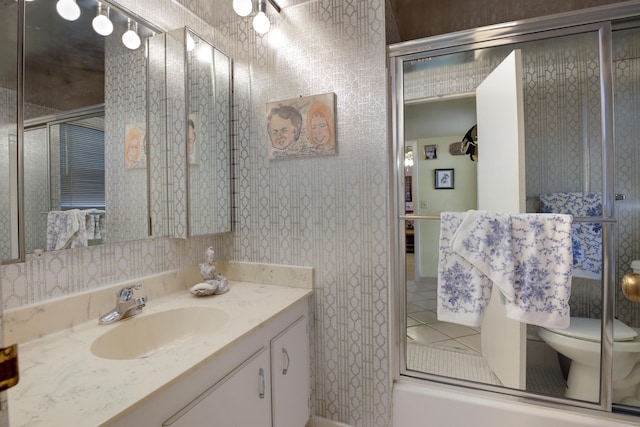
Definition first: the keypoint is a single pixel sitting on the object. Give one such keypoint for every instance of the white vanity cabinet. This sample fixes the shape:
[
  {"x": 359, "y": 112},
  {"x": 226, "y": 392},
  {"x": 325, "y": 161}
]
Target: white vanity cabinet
[
  {"x": 261, "y": 379},
  {"x": 242, "y": 398},
  {"x": 291, "y": 376},
  {"x": 269, "y": 389}
]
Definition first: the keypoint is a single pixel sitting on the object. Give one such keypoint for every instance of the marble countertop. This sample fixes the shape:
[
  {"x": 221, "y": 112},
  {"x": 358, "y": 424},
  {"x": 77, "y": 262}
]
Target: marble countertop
[{"x": 61, "y": 381}]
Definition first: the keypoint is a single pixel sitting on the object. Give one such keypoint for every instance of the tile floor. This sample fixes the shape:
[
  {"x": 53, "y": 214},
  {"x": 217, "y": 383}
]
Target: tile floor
[
  {"x": 454, "y": 350},
  {"x": 424, "y": 328}
]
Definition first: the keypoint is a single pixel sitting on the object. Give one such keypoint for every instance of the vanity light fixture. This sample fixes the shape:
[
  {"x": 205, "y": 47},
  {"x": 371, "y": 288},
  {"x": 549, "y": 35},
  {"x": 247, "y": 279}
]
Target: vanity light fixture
[
  {"x": 68, "y": 9},
  {"x": 101, "y": 23},
  {"x": 243, "y": 7},
  {"x": 260, "y": 22},
  {"x": 130, "y": 38}
]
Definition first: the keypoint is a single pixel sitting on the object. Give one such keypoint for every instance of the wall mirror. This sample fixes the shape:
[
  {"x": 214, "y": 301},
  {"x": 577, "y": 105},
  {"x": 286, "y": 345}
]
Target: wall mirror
[
  {"x": 208, "y": 137},
  {"x": 84, "y": 109},
  {"x": 96, "y": 137},
  {"x": 198, "y": 131}
]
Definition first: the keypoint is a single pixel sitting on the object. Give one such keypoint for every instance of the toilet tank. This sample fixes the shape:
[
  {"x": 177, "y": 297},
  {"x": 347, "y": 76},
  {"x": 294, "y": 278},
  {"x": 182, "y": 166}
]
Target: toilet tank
[{"x": 635, "y": 266}]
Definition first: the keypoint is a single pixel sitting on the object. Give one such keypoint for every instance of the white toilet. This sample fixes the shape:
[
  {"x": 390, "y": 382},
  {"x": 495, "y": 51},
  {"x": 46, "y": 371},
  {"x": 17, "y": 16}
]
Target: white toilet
[{"x": 581, "y": 343}]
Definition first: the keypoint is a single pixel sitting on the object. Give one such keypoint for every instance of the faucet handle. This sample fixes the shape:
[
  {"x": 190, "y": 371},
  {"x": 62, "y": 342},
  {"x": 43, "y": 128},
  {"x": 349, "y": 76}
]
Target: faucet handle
[
  {"x": 126, "y": 293},
  {"x": 141, "y": 301}
]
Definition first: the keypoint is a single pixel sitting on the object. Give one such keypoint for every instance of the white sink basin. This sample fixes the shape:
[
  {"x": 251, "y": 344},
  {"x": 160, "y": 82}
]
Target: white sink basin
[{"x": 145, "y": 335}]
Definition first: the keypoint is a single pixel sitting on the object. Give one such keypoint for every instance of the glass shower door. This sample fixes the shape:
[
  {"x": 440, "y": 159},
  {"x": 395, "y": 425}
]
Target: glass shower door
[
  {"x": 626, "y": 76},
  {"x": 563, "y": 153}
]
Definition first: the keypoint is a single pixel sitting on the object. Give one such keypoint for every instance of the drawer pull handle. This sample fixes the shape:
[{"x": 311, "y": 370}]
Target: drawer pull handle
[
  {"x": 262, "y": 386},
  {"x": 286, "y": 361}
]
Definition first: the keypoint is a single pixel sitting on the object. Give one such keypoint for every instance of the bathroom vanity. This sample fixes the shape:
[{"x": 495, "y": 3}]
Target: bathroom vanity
[{"x": 247, "y": 365}]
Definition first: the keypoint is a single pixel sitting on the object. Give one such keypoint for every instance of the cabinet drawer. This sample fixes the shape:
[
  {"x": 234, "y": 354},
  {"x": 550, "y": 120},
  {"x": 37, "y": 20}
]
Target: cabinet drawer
[{"x": 242, "y": 398}]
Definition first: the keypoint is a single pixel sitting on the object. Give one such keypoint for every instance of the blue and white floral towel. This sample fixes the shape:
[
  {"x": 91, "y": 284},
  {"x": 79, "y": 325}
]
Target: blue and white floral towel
[
  {"x": 463, "y": 291},
  {"x": 587, "y": 237},
  {"x": 66, "y": 229},
  {"x": 527, "y": 256}
]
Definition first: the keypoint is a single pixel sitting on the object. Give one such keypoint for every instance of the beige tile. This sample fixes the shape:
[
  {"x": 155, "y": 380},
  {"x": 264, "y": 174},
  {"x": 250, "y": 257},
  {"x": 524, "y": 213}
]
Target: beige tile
[
  {"x": 412, "y": 308},
  {"x": 454, "y": 345},
  {"x": 412, "y": 322},
  {"x": 453, "y": 330},
  {"x": 472, "y": 341},
  {"x": 425, "y": 334},
  {"x": 425, "y": 317},
  {"x": 429, "y": 305}
]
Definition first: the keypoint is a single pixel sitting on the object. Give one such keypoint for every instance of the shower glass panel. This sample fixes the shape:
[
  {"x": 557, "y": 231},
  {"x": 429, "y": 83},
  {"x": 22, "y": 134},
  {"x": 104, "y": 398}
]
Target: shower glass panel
[
  {"x": 563, "y": 152},
  {"x": 626, "y": 76}
]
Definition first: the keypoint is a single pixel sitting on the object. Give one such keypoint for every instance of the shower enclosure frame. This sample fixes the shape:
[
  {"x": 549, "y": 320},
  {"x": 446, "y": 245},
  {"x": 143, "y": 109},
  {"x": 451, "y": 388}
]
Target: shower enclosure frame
[{"x": 590, "y": 20}]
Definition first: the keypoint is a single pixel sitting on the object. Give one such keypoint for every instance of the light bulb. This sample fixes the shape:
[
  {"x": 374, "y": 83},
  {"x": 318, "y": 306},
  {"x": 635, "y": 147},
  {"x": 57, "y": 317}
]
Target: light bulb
[
  {"x": 101, "y": 23},
  {"x": 261, "y": 23},
  {"x": 68, "y": 9},
  {"x": 243, "y": 7},
  {"x": 130, "y": 38}
]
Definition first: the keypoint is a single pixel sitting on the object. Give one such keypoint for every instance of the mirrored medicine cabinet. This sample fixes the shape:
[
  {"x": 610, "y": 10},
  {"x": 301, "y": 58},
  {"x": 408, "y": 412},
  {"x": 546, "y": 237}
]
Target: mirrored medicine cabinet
[{"x": 104, "y": 143}]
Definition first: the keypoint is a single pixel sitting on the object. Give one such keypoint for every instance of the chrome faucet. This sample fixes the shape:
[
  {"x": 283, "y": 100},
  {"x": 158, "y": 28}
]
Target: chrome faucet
[{"x": 126, "y": 305}]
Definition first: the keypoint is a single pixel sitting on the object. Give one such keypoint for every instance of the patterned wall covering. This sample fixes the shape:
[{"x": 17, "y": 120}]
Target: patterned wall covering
[
  {"x": 330, "y": 213},
  {"x": 157, "y": 128},
  {"x": 8, "y": 133},
  {"x": 125, "y": 103},
  {"x": 59, "y": 273},
  {"x": 36, "y": 188},
  {"x": 626, "y": 64}
]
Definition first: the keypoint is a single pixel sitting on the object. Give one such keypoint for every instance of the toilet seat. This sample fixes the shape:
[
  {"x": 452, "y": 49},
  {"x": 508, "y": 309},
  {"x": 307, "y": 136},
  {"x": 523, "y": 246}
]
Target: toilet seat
[{"x": 589, "y": 330}]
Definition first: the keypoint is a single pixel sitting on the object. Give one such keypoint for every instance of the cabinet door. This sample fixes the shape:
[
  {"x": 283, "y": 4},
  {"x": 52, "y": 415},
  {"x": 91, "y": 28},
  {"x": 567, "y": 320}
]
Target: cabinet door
[
  {"x": 240, "y": 399},
  {"x": 291, "y": 376}
]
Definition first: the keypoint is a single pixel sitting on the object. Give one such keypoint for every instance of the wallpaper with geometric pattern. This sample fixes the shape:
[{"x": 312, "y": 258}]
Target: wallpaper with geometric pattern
[
  {"x": 8, "y": 136},
  {"x": 330, "y": 213},
  {"x": 125, "y": 104}
]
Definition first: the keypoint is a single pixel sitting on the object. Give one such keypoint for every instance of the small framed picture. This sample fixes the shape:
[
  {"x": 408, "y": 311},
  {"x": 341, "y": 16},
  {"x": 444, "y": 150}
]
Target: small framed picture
[
  {"x": 444, "y": 179},
  {"x": 430, "y": 152}
]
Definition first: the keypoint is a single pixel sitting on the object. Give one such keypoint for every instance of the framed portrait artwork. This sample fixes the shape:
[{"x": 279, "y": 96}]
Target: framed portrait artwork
[
  {"x": 444, "y": 179},
  {"x": 430, "y": 152},
  {"x": 302, "y": 127},
  {"x": 135, "y": 143}
]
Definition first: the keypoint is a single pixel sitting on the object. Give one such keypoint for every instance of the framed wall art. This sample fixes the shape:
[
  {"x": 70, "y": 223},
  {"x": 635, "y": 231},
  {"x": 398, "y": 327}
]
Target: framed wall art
[
  {"x": 444, "y": 179},
  {"x": 135, "y": 142},
  {"x": 430, "y": 152},
  {"x": 302, "y": 127}
]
